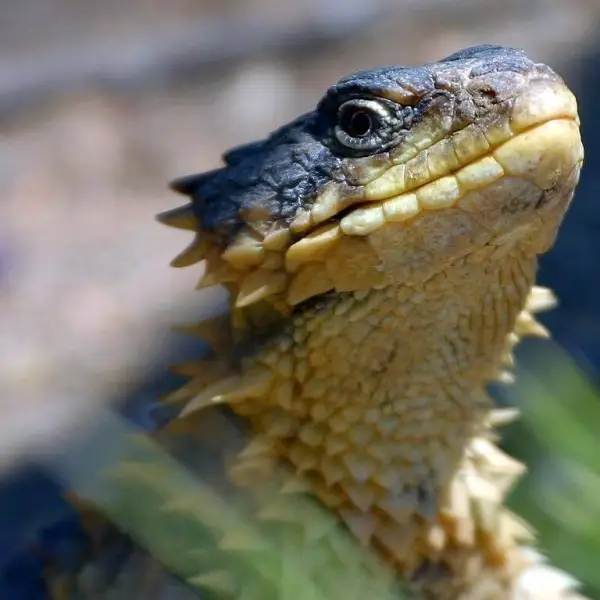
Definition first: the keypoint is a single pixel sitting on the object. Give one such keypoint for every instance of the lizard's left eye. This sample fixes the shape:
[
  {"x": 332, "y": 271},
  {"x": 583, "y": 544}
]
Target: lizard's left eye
[{"x": 363, "y": 124}]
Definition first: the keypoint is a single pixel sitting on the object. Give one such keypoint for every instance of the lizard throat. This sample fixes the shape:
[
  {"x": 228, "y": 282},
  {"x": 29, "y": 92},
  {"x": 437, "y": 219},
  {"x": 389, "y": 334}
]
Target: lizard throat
[{"x": 378, "y": 394}]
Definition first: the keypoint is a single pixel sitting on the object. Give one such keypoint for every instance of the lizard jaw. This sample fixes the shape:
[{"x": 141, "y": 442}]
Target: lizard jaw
[{"x": 509, "y": 176}]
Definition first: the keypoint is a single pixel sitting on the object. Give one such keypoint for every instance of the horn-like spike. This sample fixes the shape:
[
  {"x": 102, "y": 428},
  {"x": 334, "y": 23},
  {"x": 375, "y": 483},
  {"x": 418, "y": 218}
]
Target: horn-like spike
[
  {"x": 526, "y": 324},
  {"x": 515, "y": 528},
  {"x": 210, "y": 279},
  {"x": 495, "y": 460},
  {"x": 193, "y": 254},
  {"x": 397, "y": 538},
  {"x": 259, "y": 285},
  {"x": 188, "y": 184},
  {"x": 215, "y": 332},
  {"x": 361, "y": 524},
  {"x": 512, "y": 339},
  {"x": 217, "y": 271},
  {"x": 206, "y": 373},
  {"x": 246, "y": 251},
  {"x": 256, "y": 461},
  {"x": 499, "y": 417},
  {"x": 235, "y": 388},
  {"x": 486, "y": 513},
  {"x": 257, "y": 447},
  {"x": 508, "y": 359},
  {"x": 540, "y": 299},
  {"x": 506, "y": 377},
  {"x": 277, "y": 240},
  {"x": 213, "y": 394},
  {"x": 182, "y": 217},
  {"x": 310, "y": 281},
  {"x": 254, "y": 384},
  {"x": 313, "y": 247}
]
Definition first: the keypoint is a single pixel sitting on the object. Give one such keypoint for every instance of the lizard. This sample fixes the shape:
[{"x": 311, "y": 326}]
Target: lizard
[{"x": 380, "y": 255}]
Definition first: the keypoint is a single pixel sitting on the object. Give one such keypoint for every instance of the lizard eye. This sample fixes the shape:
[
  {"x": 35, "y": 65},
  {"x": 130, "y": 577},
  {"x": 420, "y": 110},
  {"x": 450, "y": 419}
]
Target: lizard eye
[{"x": 363, "y": 124}]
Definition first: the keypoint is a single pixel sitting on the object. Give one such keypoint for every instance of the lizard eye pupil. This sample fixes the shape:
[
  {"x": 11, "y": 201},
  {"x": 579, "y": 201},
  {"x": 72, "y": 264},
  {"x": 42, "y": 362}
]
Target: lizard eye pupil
[
  {"x": 362, "y": 125},
  {"x": 356, "y": 122}
]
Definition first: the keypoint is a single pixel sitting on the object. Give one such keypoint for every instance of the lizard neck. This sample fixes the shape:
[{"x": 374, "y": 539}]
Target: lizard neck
[{"x": 379, "y": 394}]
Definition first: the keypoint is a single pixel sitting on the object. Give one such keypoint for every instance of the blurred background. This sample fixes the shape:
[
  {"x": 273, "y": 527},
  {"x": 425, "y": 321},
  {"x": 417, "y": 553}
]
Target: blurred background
[{"x": 102, "y": 103}]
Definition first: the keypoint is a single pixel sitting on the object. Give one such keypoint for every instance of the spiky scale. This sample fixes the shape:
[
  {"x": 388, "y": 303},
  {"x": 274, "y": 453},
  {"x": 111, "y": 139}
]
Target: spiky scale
[
  {"x": 204, "y": 373},
  {"x": 181, "y": 218},
  {"x": 311, "y": 280},
  {"x": 278, "y": 239},
  {"x": 218, "y": 275},
  {"x": 396, "y": 538},
  {"x": 217, "y": 271},
  {"x": 213, "y": 394},
  {"x": 246, "y": 251},
  {"x": 527, "y": 325},
  {"x": 258, "y": 285},
  {"x": 255, "y": 383},
  {"x": 362, "y": 525},
  {"x": 193, "y": 254},
  {"x": 500, "y": 417},
  {"x": 540, "y": 299},
  {"x": 313, "y": 247},
  {"x": 256, "y": 461}
]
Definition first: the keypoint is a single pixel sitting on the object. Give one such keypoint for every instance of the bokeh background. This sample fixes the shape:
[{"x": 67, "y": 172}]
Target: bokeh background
[{"x": 102, "y": 103}]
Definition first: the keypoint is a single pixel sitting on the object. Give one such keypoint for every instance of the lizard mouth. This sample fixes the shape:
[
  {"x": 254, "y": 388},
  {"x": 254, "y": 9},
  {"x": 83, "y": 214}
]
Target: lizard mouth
[
  {"x": 537, "y": 140},
  {"x": 539, "y": 154},
  {"x": 340, "y": 249}
]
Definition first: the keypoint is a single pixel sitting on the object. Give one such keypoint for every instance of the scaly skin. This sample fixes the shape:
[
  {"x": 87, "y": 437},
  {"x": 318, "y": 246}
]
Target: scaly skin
[{"x": 380, "y": 253}]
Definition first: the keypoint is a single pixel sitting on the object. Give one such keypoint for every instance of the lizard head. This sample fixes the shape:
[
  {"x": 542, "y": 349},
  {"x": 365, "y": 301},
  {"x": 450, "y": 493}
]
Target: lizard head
[{"x": 397, "y": 173}]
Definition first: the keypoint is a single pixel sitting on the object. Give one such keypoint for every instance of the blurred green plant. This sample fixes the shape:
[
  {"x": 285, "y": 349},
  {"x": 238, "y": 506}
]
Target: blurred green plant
[
  {"x": 558, "y": 438},
  {"x": 209, "y": 541},
  {"x": 172, "y": 514}
]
